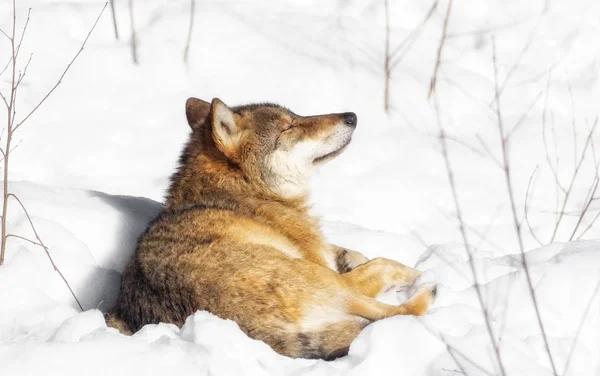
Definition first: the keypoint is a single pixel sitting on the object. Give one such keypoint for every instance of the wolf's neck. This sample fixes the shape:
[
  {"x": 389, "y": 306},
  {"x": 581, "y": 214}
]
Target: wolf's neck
[
  {"x": 216, "y": 186},
  {"x": 200, "y": 177}
]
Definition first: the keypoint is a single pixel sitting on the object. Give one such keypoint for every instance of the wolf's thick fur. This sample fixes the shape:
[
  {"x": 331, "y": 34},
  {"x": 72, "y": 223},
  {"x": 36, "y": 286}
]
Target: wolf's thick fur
[{"x": 236, "y": 238}]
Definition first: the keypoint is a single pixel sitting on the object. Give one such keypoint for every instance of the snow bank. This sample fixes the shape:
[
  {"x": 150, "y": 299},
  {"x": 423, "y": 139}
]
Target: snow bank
[{"x": 42, "y": 331}]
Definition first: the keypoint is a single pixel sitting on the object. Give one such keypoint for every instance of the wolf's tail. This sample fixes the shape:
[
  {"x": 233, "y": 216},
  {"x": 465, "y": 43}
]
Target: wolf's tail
[{"x": 113, "y": 321}]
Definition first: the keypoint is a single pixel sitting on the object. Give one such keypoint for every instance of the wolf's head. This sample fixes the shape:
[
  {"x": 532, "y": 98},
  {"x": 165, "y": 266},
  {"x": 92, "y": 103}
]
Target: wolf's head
[{"x": 269, "y": 145}]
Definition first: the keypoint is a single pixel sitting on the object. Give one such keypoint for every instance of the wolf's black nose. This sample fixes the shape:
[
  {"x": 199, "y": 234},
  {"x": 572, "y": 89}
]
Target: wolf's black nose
[{"x": 350, "y": 119}]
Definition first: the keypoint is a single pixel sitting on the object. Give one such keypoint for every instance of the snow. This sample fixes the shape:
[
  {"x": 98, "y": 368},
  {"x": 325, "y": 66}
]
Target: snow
[{"x": 94, "y": 163}]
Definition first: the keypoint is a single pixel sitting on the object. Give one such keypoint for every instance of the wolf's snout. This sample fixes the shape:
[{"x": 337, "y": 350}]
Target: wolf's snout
[{"x": 350, "y": 119}]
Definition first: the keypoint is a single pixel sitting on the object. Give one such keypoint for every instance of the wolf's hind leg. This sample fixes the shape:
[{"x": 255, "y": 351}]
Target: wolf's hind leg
[
  {"x": 379, "y": 275},
  {"x": 369, "y": 308}
]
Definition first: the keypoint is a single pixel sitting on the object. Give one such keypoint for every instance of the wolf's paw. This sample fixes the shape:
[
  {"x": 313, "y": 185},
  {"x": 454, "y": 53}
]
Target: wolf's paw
[
  {"x": 422, "y": 299},
  {"x": 348, "y": 259}
]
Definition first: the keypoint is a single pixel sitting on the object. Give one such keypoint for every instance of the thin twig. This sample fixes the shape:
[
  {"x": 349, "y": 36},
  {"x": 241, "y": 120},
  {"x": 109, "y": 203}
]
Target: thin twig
[
  {"x": 414, "y": 31},
  {"x": 387, "y": 59},
  {"x": 573, "y": 123},
  {"x": 4, "y": 100},
  {"x": 524, "y": 50},
  {"x": 134, "y": 54},
  {"x": 523, "y": 116},
  {"x": 400, "y": 51},
  {"x": 23, "y": 34},
  {"x": 114, "y": 18},
  {"x": 569, "y": 189},
  {"x": 6, "y": 35},
  {"x": 483, "y": 235},
  {"x": 488, "y": 150},
  {"x": 24, "y": 238},
  {"x": 467, "y": 145},
  {"x": 454, "y": 351},
  {"x": 553, "y": 168},
  {"x": 476, "y": 285},
  {"x": 479, "y": 234},
  {"x": 9, "y": 127},
  {"x": 453, "y": 370},
  {"x": 589, "y": 200},
  {"x": 527, "y": 207},
  {"x": 439, "y": 52},
  {"x": 589, "y": 226},
  {"x": 41, "y": 244},
  {"x": 581, "y": 322},
  {"x": 64, "y": 72},
  {"x": 6, "y": 66},
  {"x": 189, "y": 36},
  {"x": 487, "y": 30},
  {"x": 22, "y": 76},
  {"x": 514, "y": 209}
]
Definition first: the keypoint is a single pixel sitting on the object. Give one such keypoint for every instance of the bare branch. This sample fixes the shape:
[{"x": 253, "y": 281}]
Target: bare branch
[
  {"x": 189, "y": 36},
  {"x": 467, "y": 145},
  {"x": 6, "y": 66},
  {"x": 588, "y": 202},
  {"x": 594, "y": 156},
  {"x": 64, "y": 72},
  {"x": 527, "y": 207},
  {"x": 9, "y": 127},
  {"x": 553, "y": 168},
  {"x": 400, "y": 51},
  {"x": 476, "y": 285},
  {"x": 114, "y": 18},
  {"x": 569, "y": 189},
  {"x": 414, "y": 31},
  {"x": 439, "y": 52},
  {"x": 516, "y": 223},
  {"x": 524, "y": 50},
  {"x": 488, "y": 30},
  {"x": 524, "y": 116},
  {"x": 5, "y": 101},
  {"x": 488, "y": 150},
  {"x": 6, "y": 35},
  {"x": 41, "y": 244},
  {"x": 573, "y": 123},
  {"x": 454, "y": 351},
  {"x": 589, "y": 226},
  {"x": 483, "y": 235},
  {"x": 453, "y": 370},
  {"x": 387, "y": 59},
  {"x": 581, "y": 322},
  {"x": 22, "y": 76},
  {"x": 22, "y": 34},
  {"x": 366, "y": 53},
  {"x": 133, "y": 36},
  {"x": 24, "y": 238}
]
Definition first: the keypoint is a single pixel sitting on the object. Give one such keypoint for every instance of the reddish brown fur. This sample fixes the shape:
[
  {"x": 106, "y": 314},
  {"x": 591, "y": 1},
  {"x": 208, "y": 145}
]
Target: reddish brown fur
[{"x": 231, "y": 243}]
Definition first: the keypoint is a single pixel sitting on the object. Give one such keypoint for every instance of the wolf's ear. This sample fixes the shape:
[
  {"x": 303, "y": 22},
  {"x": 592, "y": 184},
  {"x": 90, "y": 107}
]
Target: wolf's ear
[
  {"x": 227, "y": 134},
  {"x": 196, "y": 111}
]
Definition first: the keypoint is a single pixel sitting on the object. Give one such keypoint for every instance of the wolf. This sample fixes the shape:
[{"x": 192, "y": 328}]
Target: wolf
[{"x": 236, "y": 238}]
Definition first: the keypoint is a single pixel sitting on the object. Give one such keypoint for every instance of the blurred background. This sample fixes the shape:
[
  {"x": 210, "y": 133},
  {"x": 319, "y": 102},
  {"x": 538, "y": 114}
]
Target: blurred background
[{"x": 116, "y": 123}]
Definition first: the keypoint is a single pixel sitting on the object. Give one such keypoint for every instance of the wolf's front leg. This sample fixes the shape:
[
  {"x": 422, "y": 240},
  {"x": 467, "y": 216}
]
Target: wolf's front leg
[{"x": 344, "y": 259}]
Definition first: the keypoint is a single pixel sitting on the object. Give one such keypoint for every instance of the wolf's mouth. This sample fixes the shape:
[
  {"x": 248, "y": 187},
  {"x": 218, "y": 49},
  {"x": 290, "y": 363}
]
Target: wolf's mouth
[{"x": 334, "y": 153}]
